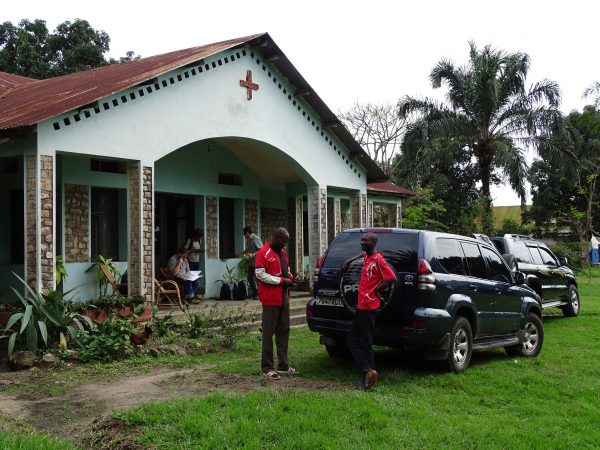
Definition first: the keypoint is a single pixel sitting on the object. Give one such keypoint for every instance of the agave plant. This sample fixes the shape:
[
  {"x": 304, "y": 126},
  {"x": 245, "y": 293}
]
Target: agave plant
[{"x": 43, "y": 311}]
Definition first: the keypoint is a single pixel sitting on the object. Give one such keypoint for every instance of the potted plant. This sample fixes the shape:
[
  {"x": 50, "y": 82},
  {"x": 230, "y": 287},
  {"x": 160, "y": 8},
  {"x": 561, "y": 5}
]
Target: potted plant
[
  {"x": 229, "y": 282},
  {"x": 103, "y": 282},
  {"x": 303, "y": 280},
  {"x": 101, "y": 308}
]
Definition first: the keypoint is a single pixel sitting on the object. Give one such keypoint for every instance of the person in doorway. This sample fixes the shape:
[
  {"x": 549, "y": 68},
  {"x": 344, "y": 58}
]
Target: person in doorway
[
  {"x": 178, "y": 266},
  {"x": 376, "y": 277},
  {"x": 194, "y": 246},
  {"x": 253, "y": 245},
  {"x": 274, "y": 278}
]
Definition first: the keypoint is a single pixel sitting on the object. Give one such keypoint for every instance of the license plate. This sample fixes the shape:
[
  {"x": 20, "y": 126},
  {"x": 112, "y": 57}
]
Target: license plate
[{"x": 329, "y": 301}]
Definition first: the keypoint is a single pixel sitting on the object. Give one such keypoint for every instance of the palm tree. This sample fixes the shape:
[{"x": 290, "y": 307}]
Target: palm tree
[
  {"x": 491, "y": 114},
  {"x": 593, "y": 91}
]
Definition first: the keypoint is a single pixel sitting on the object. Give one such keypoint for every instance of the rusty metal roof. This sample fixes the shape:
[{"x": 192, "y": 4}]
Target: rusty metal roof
[
  {"x": 28, "y": 103},
  {"x": 390, "y": 188},
  {"x": 25, "y": 102},
  {"x": 8, "y": 80}
]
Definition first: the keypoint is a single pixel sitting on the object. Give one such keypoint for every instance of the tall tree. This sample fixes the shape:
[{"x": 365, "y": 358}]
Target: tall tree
[
  {"x": 444, "y": 169},
  {"x": 593, "y": 91},
  {"x": 30, "y": 50},
  {"x": 491, "y": 114},
  {"x": 571, "y": 198},
  {"x": 378, "y": 129}
]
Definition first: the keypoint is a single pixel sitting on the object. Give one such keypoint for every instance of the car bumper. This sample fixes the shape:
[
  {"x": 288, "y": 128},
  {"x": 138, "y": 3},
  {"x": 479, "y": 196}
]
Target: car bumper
[{"x": 432, "y": 329}]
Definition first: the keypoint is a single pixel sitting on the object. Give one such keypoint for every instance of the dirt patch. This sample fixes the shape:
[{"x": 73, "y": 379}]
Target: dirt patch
[{"x": 74, "y": 414}]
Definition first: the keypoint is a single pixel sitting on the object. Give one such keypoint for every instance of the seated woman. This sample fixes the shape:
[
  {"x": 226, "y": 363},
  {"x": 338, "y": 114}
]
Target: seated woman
[{"x": 178, "y": 266}]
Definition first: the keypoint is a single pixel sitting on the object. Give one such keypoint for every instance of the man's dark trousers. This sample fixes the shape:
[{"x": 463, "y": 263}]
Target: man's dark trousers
[
  {"x": 252, "y": 289},
  {"x": 360, "y": 339},
  {"x": 275, "y": 320}
]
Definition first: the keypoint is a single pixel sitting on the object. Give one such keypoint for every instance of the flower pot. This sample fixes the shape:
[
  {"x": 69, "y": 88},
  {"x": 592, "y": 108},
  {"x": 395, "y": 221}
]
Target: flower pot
[
  {"x": 227, "y": 292},
  {"x": 101, "y": 314}
]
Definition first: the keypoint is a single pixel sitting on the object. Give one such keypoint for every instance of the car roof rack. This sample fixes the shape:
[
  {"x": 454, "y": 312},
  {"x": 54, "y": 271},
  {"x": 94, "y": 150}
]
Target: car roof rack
[{"x": 520, "y": 237}]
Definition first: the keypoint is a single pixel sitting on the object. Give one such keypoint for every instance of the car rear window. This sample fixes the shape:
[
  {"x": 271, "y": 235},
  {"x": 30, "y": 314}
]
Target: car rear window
[
  {"x": 399, "y": 250},
  {"x": 520, "y": 252}
]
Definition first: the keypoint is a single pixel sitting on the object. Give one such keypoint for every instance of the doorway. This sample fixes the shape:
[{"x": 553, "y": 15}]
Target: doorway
[{"x": 174, "y": 222}]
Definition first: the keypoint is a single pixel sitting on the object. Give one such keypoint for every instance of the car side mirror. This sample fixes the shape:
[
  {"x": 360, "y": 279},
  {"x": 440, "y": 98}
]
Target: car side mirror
[
  {"x": 563, "y": 261},
  {"x": 519, "y": 277}
]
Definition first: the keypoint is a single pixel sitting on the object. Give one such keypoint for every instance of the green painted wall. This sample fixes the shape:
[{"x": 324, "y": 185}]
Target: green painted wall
[{"x": 194, "y": 169}]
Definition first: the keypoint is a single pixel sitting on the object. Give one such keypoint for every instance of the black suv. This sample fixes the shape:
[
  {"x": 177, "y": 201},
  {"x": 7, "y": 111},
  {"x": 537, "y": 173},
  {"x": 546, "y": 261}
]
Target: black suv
[
  {"x": 546, "y": 274},
  {"x": 453, "y": 295}
]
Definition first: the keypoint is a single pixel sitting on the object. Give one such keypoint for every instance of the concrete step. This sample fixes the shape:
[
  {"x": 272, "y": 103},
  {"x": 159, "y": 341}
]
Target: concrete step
[{"x": 215, "y": 307}]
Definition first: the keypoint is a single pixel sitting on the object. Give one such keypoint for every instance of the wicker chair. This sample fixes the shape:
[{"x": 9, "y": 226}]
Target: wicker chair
[{"x": 167, "y": 294}]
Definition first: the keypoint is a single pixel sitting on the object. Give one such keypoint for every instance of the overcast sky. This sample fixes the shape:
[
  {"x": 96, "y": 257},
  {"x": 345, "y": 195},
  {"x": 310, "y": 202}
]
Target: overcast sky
[{"x": 365, "y": 51}]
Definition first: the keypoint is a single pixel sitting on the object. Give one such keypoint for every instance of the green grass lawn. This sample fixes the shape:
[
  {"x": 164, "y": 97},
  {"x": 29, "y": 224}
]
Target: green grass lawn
[{"x": 552, "y": 401}]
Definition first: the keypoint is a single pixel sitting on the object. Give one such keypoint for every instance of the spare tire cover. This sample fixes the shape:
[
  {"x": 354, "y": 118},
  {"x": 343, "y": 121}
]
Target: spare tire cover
[{"x": 349, "y": 286}]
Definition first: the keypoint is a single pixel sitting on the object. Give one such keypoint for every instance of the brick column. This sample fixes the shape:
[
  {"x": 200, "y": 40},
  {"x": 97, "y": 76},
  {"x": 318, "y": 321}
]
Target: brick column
[
  {"x": 363, "y": 209},
  {"x": 76, "y": 218},
  {"x": 358, "y": 207},
  {"x": 148, "y": 232},
  {"x": 337, "y": 212},
  {"x": 212, "y": 227},
  {"x": 39, "y": 222},
  {"x": 299, "y": 233},
  {"x": 399, "y": 215},
  {"x": 370, "y": 214},
  {"x": 317, "y": 228},
  {"x": 251, "y": 215},
  {"x": 141, "y": 236}
]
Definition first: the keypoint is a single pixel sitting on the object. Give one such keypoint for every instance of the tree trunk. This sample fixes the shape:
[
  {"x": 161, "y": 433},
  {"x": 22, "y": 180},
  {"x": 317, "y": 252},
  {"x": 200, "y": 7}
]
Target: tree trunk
[{"x": 487, "y": 215}]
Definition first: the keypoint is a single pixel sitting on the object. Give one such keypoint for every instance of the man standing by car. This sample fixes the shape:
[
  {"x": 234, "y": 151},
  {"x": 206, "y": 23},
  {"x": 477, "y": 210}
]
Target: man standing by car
[
  {"x": 253, "y": 245},
  {"x": 375, "y": 278},
  {"x": 274, "y": 279}
]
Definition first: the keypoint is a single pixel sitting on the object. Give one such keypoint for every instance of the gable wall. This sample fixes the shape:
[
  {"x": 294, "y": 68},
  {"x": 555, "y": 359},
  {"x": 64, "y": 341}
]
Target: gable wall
[{"x": 206, "y": 105}]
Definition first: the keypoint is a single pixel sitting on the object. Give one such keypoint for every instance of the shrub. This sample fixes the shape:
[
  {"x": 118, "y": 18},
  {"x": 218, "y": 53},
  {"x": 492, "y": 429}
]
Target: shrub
[
  {"x": 111, "y": 338},
  {"x": 46, "y": 316},
  {"x": 572, "y": 251}
]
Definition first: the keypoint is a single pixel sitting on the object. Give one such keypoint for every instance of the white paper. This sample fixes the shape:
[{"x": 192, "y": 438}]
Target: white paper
[{"x": 191, "y": 275}]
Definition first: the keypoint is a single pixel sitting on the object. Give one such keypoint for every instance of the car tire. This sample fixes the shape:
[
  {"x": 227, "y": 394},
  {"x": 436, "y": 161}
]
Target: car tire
[
  {"x": 533, "y": 340},
  {"x": 571, "y": 309},
  {"x": 512, "y": 262},
  {"x": 338, "y": 350},
  {"x": 460, "y": 347}
]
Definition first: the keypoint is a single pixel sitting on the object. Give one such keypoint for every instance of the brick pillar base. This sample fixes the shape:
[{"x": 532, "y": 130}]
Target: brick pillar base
[
  {"x": 317, "y": 228},
  {"x": 39, "y": 222},
  {"x": 141, "y": 236}
]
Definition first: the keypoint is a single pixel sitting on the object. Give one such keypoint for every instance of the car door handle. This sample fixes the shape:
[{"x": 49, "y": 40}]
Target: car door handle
[{"x": 473, "y": 286}]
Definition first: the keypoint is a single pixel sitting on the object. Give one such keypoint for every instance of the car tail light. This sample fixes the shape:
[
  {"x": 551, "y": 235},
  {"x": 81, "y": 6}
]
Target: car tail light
[
  {"x": 309, "y": 312},
  {"x": 418, "y": 324},
  {"x": 425, "y": 277},
  {"x": 318, "y": 268}
]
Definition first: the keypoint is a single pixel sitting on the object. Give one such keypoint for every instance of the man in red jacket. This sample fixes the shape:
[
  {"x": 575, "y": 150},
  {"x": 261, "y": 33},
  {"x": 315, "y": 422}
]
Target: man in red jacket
[
  {"x": 274, "y": 278},
  {"x": 375, "y": 278}
]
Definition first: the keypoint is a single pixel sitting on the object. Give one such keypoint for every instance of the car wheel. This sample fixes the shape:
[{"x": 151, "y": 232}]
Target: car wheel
[
  {"x": 338, "y": 350},
  {"x": 512, "y": 262},
  {"x": 460, "y": 346},
  {"x": 572, "y": 307},
  {"x": 533, "y": 339}
]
